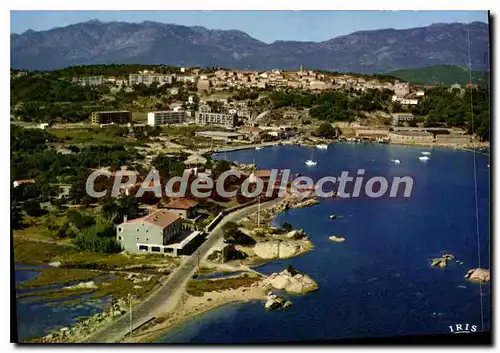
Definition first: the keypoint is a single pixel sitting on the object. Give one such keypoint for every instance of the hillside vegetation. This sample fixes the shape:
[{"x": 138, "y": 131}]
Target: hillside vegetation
[{"x": 442, "y": 75}]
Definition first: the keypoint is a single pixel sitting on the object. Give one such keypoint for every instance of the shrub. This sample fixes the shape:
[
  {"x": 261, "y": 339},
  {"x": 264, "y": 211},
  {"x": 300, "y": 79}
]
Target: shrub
[{"x": 287, "y": 227}]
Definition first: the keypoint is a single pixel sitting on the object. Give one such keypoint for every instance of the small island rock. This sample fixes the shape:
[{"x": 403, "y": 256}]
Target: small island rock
[
  {"x": 295, "y": 283},
  {"x": 478, "y": 275},
  {"x": 337, "y": 239}
]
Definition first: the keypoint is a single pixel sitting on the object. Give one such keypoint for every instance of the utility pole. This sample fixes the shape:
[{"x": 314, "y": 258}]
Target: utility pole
[
  {"x": 130, "y": 311},
  {"x": 258, "y": 212}
]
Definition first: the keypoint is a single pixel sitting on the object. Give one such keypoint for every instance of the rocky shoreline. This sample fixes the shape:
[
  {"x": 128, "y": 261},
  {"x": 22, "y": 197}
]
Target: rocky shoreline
[{"x": 88, "y": 325}]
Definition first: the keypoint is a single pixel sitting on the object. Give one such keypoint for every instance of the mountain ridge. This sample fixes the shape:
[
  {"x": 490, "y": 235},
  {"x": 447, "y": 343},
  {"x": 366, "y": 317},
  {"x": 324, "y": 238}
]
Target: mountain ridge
[{"x": 149, "y": 42}]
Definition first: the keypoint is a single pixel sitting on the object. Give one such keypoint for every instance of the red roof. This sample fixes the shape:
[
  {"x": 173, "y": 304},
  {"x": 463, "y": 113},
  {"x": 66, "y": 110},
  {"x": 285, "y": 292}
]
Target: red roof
[
  {"x": 182, "y": 204},
  {"x": 25, "y": 181},
  {"x": 161, "y": 218}
]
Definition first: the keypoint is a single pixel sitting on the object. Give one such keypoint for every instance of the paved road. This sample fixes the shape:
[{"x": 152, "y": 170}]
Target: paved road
[{"x": 117, "y": 329}]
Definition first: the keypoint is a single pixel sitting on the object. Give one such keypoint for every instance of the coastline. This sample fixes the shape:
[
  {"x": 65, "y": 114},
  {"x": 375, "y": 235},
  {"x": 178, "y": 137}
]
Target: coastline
[
  {"x": 467, "y": 147},
  {"x": 192, "y": 307}
]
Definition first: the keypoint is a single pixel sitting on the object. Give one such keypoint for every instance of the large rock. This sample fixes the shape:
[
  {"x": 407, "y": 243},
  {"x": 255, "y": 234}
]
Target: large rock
[
  {"x": 275, "y": 301},
  {"x": 337, "y": 239},
  {"x": 90, "y": 285},
  {"x": 296, "y": 234},
  {"x": 267, "y": 250},
  {"x": 281, "y": 249},
  {"x": 297, "y": 283},
  {"x": 442, "y": 261},
  {"x": 287, "y": 250},
  {"x": 478, "y": 275}
]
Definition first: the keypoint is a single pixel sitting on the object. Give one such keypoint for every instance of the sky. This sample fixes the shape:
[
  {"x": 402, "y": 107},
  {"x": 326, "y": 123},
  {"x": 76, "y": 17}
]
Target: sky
[{"x": 267, "y": 26}]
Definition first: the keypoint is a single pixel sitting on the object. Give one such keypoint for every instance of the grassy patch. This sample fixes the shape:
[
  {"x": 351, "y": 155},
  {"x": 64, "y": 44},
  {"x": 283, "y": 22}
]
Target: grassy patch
[
  {"x": 198, "y": 287},
  {"x": 117, "y": 287},
  {"x": 56, "y": 294},
  {"x": 120, "y": 287},
  {"x": 90, "y": 136},
  {"x": 203, "y": 271},
  {"x": 51, "y": 276},
  {"x": 35, "y": 253},
  {"x": 116, "y": 261}
]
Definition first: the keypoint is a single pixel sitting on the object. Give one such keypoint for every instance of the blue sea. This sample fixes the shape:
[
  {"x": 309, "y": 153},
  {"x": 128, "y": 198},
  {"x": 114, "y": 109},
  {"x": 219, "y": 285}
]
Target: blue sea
[{"x": 378, "y": 282}]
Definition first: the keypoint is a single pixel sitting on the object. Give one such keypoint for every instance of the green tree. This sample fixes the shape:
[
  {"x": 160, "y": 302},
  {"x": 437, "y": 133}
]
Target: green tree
[
  {"x": 326, "y": 130},
  {"x": 287, "y": 227},
  {"x": 220, "y": 167}
]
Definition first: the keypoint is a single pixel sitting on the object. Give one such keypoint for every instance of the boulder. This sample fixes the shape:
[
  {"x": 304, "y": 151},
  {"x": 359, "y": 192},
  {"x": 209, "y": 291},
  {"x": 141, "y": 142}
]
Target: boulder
[
  {"x": 287, "y": 250},
  {"x": 274, "y": 301},
  {"x": 272, "y": 304},
  {"x": 296, "y": 234},
  {"x": 279, "y": 282},
  {"x": 287, "y": 304},
  {"x": 80, "y": 285},
  {"x": 279, "y": 249},
  {"x": 478, "y": 275},
  {"x": 297, "y": 283},
  {"x": 442, "y": 261},
  {"x": 337, "y": 239}
]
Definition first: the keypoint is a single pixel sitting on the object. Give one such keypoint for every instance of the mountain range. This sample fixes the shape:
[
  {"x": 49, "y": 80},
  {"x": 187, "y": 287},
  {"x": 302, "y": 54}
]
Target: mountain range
[{"x": 375, "y": 51}]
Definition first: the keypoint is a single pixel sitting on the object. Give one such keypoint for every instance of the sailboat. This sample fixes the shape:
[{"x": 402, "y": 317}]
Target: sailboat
[
  {"x": 311, "y": 162},
  {"x": 322, "y": 146}
]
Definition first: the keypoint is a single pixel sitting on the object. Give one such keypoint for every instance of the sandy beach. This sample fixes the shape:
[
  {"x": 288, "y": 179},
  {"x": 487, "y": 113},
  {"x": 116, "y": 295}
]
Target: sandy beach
[{"x": 191, "y": 306}]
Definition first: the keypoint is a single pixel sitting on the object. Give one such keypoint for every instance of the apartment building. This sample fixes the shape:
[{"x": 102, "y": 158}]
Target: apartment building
[
  {"x": 401, "y": 89},
  {"x": 148, "y": 79},
  {"x": 166, "y": 117},
  {"x": 204, "y": 116},
  {"x": 88, "y": 81},
  {"x": 111, "y": 116},
  {"x": 150, "y": 233}
]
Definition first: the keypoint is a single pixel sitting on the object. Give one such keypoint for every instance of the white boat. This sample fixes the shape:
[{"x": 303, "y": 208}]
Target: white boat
[
  {"x": 426, "y": 153},
  {"x": 322, "y": 147},
  {"x": 423, "y": 158},
  {"x": 311, "y": 162},
  {"x": 396, "y": 161},
  {"x": 258, "y": 148}
]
